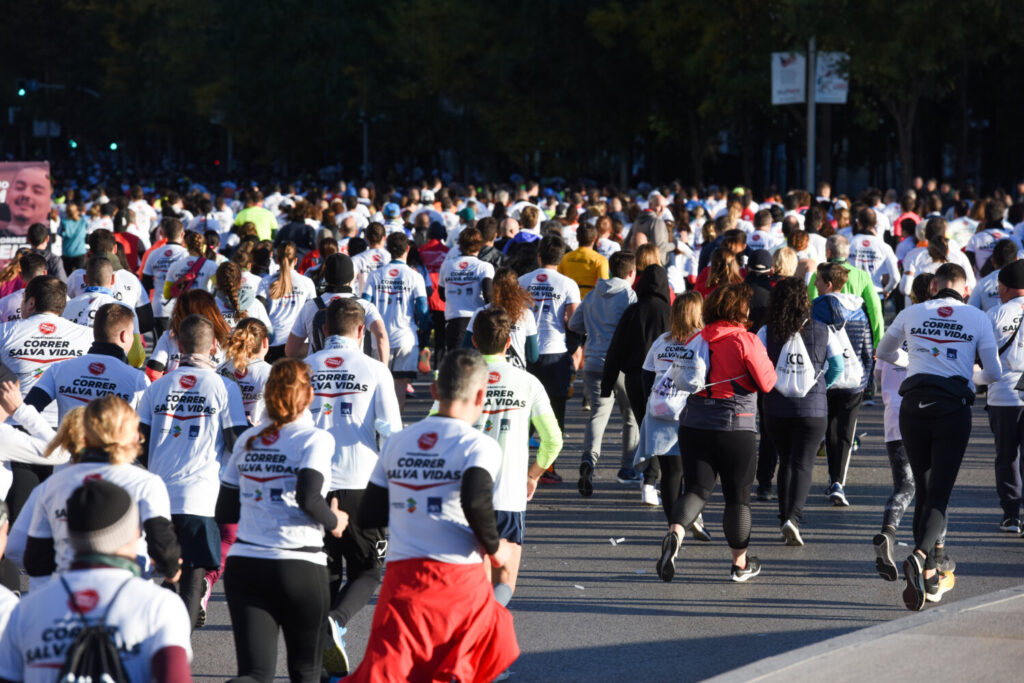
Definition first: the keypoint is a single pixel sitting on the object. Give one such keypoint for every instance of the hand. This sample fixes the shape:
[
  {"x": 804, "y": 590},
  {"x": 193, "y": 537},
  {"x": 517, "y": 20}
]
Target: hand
[
  {"x": 342, "y": 518},
  {"x": 531, "y": 487},
  {"x": 10, "y": 396},
  {"x": 502, "y": 555}
]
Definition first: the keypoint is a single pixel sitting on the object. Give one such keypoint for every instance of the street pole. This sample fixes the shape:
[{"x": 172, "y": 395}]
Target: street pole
[
  {"x": 366, "y": 145},
  {"x": 812, "y": 72}
]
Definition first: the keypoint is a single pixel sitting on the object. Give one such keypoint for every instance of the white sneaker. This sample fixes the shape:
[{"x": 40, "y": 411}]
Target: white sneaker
[{"x": 649, "y": 495}]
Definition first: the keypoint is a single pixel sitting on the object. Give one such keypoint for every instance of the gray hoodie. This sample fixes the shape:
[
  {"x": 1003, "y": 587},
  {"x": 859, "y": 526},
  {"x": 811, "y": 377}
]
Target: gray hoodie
[{"x": 598, "y": 316}]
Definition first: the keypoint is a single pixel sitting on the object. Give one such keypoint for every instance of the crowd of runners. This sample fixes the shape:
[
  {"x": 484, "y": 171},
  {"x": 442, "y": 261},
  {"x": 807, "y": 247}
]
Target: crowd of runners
[{"x": 210, "y": 387}]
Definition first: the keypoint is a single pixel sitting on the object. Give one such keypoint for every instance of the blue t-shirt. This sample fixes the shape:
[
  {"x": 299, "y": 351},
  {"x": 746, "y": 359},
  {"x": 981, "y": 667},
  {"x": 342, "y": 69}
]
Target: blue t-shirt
[{"x": 73, "y": 235}]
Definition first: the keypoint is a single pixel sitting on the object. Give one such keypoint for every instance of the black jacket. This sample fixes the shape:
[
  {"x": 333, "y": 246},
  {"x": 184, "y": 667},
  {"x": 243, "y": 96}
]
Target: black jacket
[
  {"x": 299, "y": 233},
  {"x": 640, "y": 325},
  {"x": 762, "y": 286}
]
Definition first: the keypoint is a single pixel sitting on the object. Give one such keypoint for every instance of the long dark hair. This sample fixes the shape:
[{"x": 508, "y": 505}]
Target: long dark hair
[{"x": 788, "y": 308}]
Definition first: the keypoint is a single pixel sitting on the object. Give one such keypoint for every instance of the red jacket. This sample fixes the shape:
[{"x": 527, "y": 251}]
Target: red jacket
[{"x": 432, "y": 253}]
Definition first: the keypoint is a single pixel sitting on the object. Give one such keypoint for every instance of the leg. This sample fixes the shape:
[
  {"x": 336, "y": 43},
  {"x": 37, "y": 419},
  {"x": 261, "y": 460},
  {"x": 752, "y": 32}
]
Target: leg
[
  {"x": 806, "y": 434},
  {"x": 846, "y": 406},
  {"x": 777, "y": 435},
  {"x": 630, "y": 431},
  {"x": 634, "y": 389},
  {"x": 951, "y": 434},
  {"x": 902, "y": 487},
  {"x": 437, "y": 321},
  {"x": 249, "y": 593},
  {"x": 302, "y": 610},
  {"x": 671, "y": 483},
  {"x": 736, "y": 453},
  {"x": 767, "y": 452},
  {"x": 597, "y": 421},
  {"x": 401, "y": 386},
  {"x": 1005, "y": 423},
  {"x": 699, "y": 475},
  {"x": 363, "y": 551}
]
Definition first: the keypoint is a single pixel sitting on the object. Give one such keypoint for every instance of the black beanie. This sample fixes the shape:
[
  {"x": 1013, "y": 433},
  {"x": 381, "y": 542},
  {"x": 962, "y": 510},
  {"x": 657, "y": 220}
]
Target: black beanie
[
  {"x": 338, "y": 270},
  {"x": 1012, "y": 275},
  {"x": 102, "y": 517}
]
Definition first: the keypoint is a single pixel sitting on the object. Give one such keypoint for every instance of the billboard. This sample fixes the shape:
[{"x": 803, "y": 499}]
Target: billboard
[
  {"x": 830, "y": 83},
  {"x": 789, "y": 78},
  {"x": 25, "y": 192}
]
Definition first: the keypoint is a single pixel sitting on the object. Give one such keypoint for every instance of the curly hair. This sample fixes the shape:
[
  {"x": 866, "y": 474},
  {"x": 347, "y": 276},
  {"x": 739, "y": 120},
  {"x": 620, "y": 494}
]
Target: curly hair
[
  {"x": 788, "y": 308},
  {"x": 245, "y": 341},
  {"x": 509, "y": 295}
]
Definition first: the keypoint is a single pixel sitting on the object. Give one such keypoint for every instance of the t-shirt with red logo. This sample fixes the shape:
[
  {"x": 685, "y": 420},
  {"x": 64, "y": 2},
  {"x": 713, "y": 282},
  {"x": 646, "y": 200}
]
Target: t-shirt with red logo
[
  {"x": 982, "y": 243},
  {"x": 271, "y": 524},
  {"x": 82, "y": 309},
  {"x": 29, "y": 347},
  {"x": 75, "y": 382},
  {"x": 251, "y": 381},
  {"x": 187, "y": 411},
  {"x": 303, "y": 326},
  {"x": 870, "y": 253},
  {"x": 422, "y": 467},
  {"x": 283, "y": 311},
  {"x": 462, "y": 279},
  {"x": 367, "y": 262},
  {"x": 143, "y": 620},
  {"x": 10, "y": 306},
  {"x": 759, "y": 239},
  {"x": 126, "y": 288},
  {"x": 394, "y": 289},
  {"x": 156, "y": 265},
  {"x": 353, "y": 398},
  {"x": 551, "y": 292}
]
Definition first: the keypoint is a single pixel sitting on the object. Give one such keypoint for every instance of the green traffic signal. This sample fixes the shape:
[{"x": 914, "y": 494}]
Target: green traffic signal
[
  {"x": 113, "y": 146},
  {"x": 73, "y": 144},
  {"x": 21, "y": 92}
]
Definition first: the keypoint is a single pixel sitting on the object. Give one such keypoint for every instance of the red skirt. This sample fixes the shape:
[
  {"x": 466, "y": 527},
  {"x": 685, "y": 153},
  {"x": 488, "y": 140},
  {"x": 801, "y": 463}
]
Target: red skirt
[{"x": 437, "y": 621}]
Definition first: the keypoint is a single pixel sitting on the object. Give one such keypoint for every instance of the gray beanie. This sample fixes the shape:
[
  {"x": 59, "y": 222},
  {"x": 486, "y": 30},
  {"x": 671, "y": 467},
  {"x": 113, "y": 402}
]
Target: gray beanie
[{"x": 102, "y": 518}]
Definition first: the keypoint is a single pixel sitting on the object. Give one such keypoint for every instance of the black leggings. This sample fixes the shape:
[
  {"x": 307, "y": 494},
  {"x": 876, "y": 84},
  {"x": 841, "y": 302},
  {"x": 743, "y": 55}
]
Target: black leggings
[
  {"x": 358, "y": 557},
  {"x": 267, "y": 595},
  {"x": 843, "y": 407},
  {"x": 638, "y": 404},
  {"x": 935, "y": 447},
  {"x": 706, "y": 456},
  {"x": 671, "y": 483},
  {"x": 796, "y": 440},
  {"x": 767, "y": 456}
]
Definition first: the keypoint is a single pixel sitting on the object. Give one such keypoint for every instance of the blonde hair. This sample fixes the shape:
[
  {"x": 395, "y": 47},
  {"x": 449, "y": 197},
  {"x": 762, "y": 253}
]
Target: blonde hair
[
  {"x": 784, "y": 262},
  {"x": 245, "y": 341},
  {"x": 70, "y": 435},
  {"x": 687, "y": 316},
  {"x": 111, "y": 426},
  {"x": 282, "y": 286},
  {"x": 288, "y": 393},
  {"x": 647, "y": 255}
]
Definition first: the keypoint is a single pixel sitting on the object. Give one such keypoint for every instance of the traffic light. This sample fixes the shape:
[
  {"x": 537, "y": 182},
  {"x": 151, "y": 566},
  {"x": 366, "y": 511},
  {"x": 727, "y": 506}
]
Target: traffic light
[
  {"x": 113, "y": 146},
  {"x": 22, "y": 86},
  {"x": 73, "y": 144}
]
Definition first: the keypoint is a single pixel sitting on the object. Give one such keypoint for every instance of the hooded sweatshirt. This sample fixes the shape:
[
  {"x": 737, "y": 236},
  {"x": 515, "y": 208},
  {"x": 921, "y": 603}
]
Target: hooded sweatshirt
[
  {"x": 738, "y": 367},
  {"x": 845, "y": 311},
  {"x": 598, "y": 316},
  {"x": 640, "y": 325}
]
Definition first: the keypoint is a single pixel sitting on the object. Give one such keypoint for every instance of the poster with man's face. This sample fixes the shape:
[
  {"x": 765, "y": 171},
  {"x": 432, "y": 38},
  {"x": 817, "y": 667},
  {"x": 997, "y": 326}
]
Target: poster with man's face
[{"x": 25, "y": 192}]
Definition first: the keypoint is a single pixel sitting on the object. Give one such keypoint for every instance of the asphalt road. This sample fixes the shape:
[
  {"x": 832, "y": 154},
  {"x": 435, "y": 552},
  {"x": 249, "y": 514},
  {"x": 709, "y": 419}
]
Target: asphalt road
[{"x": 588, "y": 610}]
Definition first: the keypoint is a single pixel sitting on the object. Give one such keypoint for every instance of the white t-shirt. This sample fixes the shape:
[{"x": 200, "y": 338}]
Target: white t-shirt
[
  {"x": 1006, "y": 320},
  {"x": 10, "y": 306},
  {"x": 514, "y": 397},
  {"x": 82, "y": 309},
  {"x": 394, "y": 290},
  {"x": 520, "y": 331},
  {"x": 982, "y": 243},
  {"x": 462, "y": 280},
  {"x": 366, "y": 262},
  {"x": 986, "y": 294},
  {"x": 29, "y": 347},
  {"x": 182, "y": 265},
  {"x": 126, "y": 288},
  {"x": 870, "y": 253},
  {"x": 918, "y": 261},
  {"x": 49, "y": 516},
  {"x": 422, "y": 467},
  {"x": 145, "y": 215},
  {"x": 143, "y": 620},
  {"x": 250, "y": 284},
  {"x": 606, "y": 247},
  {"x": 187, "y": 411},
  {"x": 552, "y": 292},
  {"x": 353, "y": 398},
  {"x": 759, "y": 239},
  {"x": 8, "y": 601},
  {"x": 943, "y": 337},
  {"x": 75, "y": 382},
  {"x": 167, "y": 352},
  {"x": 284, "y": 311},
  {"x": 251, "y": 381},
  {"x": 271, "y": 524},
  {"x": 156, "y": 266},
  {"x": 255, "y": 310},
  {"x": 303, "y": 326}
]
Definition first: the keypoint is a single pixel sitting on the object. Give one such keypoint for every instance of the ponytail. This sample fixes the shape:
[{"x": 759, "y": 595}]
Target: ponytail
[
  {"x": 70, "y": 435},
  {"x": 195, "y": 243},
  {"x": 229, "y": 281},
  {"x": 13, "y": 267},
  {"x": 245, "y": 341},
  {"x": 938, "y": 248},
  {"x": 288, "y": 393},
  {"x": 282, "y": 286}
]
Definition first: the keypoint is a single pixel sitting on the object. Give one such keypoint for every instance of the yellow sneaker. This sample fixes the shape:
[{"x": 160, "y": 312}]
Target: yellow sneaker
[{"x": 935, "y": 590}]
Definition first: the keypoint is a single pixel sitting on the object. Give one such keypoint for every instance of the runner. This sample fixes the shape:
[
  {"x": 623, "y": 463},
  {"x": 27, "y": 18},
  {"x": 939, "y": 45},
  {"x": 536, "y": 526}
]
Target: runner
[
  {"x": 718, "y": 429},
  {"x": 167, "y": 352},
  {"x": 400, "y": 295},
  {"x": 466, "y": 285},
  {"x": 154, "y": 270},
  {"x": 234, "y": 302},
  {"x": 194, "y": 270},
  {"x": 354, "y": 399},
  {"x": 985, "y": 294},
  {"x": 98, "y": 292},
  {"x": 147, "y": 624},
  {"x": 284, "y": 293},
  {"x": 944, "y": 335},
  {"x": 32, "y": 266},
  {"x": 433, "y": 253},
  {"x": 273, "y": 487},
  {"x": 188, "y": 419},
  {"x": 508, "y": 295},
  {"x": 375, "y": 256},
  {"x": 436, "y": 617},
  {"x": 126, "y": 288},
  {"x": 245, "y": 363}
]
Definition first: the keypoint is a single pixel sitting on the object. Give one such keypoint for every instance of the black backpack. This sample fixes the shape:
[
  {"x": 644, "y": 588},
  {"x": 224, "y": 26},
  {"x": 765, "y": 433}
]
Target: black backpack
[
  {"x": 93, "y": 655},
  {"x": 316, "y": 337}
]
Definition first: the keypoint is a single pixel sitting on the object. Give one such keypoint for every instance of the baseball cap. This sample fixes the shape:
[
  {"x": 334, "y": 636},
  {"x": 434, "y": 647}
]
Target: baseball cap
[
  {"x": 391, "y": 210},
  {"x": 760, "y": 262}
]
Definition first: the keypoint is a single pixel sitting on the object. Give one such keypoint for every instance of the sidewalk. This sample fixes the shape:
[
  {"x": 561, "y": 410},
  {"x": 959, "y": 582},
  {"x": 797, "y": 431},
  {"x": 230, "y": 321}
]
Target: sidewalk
[{"x": 978, "y": 639}]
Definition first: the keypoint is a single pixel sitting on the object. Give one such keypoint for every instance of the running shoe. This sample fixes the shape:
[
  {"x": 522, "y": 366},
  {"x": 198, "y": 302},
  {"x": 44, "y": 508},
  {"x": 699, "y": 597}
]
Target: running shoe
[
  {"x": 698, "y": 530},
  {"x": 667, "y": 562},
  {"x": 885, "y": 563},
  {"x": 586, "y": 404},
  {"x": 335, "y": 654},
  {"x": 764, "y": 494},
  {"x": 837, "y": 495},
  {"x": 207, "y": 592},
  {"x": 424, "y": 362},
  {"x": 629, "y": 476},
  {"x": 1010, "y": 525},
  {"x": 649, "y": 495},
  {"x": 741, "y": 574},
  {"x": 913, "y": 572},
  {"x": 938, "y": 585},
  {"x": 586, "y": 482},
  {"x": 947, "y": 564},
  {"x": 550, "y": 477},
  {"x": 791, "y": 534},
  {"x": 410, "y": 390}
]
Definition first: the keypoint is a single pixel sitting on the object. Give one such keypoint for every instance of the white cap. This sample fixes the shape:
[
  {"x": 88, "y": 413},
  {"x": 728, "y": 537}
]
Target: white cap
[{"x": 427, "y": 196}]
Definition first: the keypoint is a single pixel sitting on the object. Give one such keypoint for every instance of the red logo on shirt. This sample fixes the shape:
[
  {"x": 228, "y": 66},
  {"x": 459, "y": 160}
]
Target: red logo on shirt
[
  {"x": 47, "y": 328},
  {"x": 187, "y": 381},
  {"x": 334, "y": 362},
  {"x": 270, "y": 438},
  {"x": 998, "y": 235},
  {"x": 866, "y": 243},
  {"x": 946, "y": 311},
  {"x": 543, "y": 277},
  {"x": 427, "y": 441},
  {"x": 463, "y": 265},
  {"x": 393, "y": 272},
  {"x": 756, "y": 238},
  {"x": 241, "y": 373},
  {"x": 376, "y": 258},
  {"x": 493, "y": 377},
  {"x": 168, "y": 252},
  {"x": 97, "y": 368},
  {"x": 84, "y": 601}
]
